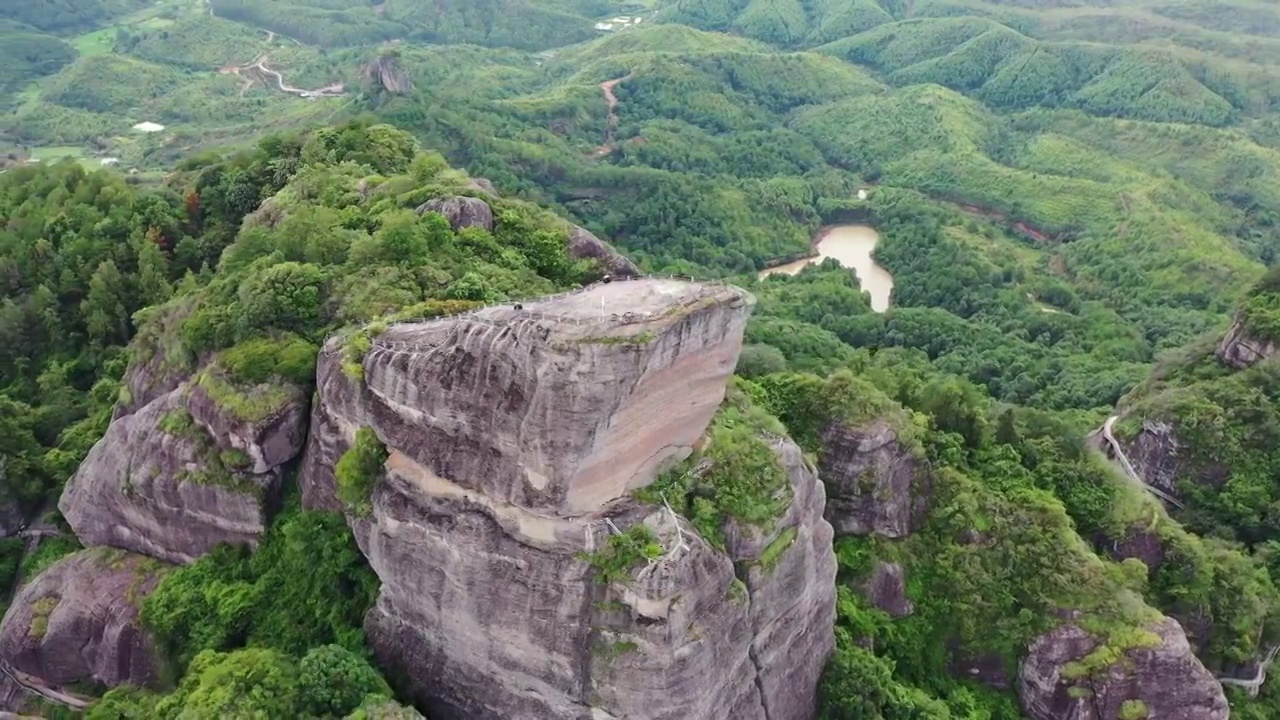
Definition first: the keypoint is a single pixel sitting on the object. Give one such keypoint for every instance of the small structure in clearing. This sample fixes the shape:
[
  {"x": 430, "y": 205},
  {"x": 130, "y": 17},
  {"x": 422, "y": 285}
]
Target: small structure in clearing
[
  {"x": 619, "y": 22},
  {"x": 148, "y": 127}
]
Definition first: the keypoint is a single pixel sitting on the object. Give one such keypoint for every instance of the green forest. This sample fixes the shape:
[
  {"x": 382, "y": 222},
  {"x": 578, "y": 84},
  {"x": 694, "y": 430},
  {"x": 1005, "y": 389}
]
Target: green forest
[{"x": 1075, "y": 200}]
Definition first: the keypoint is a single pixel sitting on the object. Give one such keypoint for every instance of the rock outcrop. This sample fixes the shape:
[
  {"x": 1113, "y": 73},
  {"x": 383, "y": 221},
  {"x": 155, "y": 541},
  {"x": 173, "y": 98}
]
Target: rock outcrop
[
  {"x": 461, "y": 211},
  {"x": 584, "y": 245},
  {"x": 179, "y": 476},
  {"x": 1166, "y": 680},
  {"x": 512, "y": 436},
  {"x": 386, "y": 73},
  {"x": 77, "y": 622},
  {"x": 875, "y": 484},
  {"x": 1162, "y": 459},
  {"x": 886, "y": 589},
  {"x": 1240, "y": 350}
]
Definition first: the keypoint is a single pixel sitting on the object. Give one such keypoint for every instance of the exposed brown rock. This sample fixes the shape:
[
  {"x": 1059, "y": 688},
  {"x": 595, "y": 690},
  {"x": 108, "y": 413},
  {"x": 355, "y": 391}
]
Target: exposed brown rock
[
  {"x": 77, "y": 622},
  {"x": 584, "y": 245},
  {"x": 874, "y": 483},
  {"x": 1240, "y": 350},
  {"x": 461, "y": 211},
  {"x": 385, "y": 72},
  {"x": 1167, "y": 679}
]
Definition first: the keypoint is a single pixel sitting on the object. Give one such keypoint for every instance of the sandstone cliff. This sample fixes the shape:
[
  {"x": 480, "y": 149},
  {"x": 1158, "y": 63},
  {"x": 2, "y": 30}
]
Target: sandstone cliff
[
  {"x": 181, "y": 474},
  {"x": 584, "y": 245},
  {"x": 1164, "y": 680},
  {"x": 515, "y": 438},
  {"x": 1240, "y": 350},
  {"x": 77, "y": 622}
]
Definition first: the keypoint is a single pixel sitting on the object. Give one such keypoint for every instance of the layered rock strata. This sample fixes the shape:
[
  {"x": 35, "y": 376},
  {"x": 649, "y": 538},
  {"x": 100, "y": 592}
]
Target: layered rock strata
[
  {"x": 515, "y": 437},
  {"x": 1163, "y": 681},
  {"x": 78, "y": 623}
]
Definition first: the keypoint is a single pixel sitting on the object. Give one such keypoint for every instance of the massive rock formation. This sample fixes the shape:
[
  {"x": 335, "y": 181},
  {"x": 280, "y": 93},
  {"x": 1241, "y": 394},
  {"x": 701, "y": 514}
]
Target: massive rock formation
[
  {"x": 1240, "y": 350},
  {"x": 78, "y": 623},
  {"x": 513, "y": 435},
  {"x": 461, "y": 211},
  {"x": 875, "y": 484},
  {"x": 180, "y": 475},
  {"x": 1166, "y": 680},
  {"x": 583, "y": 245}
]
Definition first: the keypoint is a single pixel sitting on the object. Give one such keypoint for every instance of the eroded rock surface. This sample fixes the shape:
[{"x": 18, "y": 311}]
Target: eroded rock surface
[
  {"x": 461, "y": 212},
  {"x": 1166, "y": 680},
  {"x": 887, "y": 590},
  {"x": 875, "y": 484},
  {"x": 1240, "y": 350},
  {"x": 1162, "y": 459},
  {"x": 77, "y": 622},
  {"x": 512, "y": 435},
  {"x": 158, "y": 483},
  {"x": 584, "y": 245},
  {"x": 561, "y": 406}
]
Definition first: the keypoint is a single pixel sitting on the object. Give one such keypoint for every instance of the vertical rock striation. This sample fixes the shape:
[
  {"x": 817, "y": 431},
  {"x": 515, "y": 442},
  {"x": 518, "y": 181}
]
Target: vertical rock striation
[
  {"x": 515, "y": 438},
  {"x": 1240, "y": 350}
]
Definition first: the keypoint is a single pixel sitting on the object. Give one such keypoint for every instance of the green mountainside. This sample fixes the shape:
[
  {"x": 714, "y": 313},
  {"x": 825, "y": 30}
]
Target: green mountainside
[{"x": 1078, "y": 202}]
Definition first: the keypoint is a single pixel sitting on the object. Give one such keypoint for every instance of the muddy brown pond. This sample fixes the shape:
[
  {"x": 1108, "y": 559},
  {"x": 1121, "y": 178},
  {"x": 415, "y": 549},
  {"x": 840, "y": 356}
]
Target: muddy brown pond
[{"x": 851, "y": 246}]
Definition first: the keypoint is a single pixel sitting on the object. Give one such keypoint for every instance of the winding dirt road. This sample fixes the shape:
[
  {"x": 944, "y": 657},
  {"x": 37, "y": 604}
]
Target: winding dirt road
[{"x": 611, "y": 101}]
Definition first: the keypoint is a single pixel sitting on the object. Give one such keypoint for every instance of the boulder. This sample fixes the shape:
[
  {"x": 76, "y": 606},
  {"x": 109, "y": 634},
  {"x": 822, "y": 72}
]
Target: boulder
[
  {"x": 585, "y": 246},
  {"x": 483, "y": 185},
  {"x": 514, "y": 439},
  {"x": 460, "y": 211},
  {"x": 886, "y": 589},
  {"x": 1163, "y": 678},
  {"x": 875, "y": 484},
  {"x": 77, "y": 622},
  {"x": 159, "y": 484},
  {"x": 1240, "y": 350}
]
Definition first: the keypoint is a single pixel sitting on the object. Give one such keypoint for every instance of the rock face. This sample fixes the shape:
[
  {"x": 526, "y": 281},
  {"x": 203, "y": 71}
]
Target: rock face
[
  {"x": 386, "y": 73},
  {"x": 460, "y": 211},
  {"x": 1160, "y": 458},
  {"x": 887, "y": 589},
  {"x": 560, "y": 407},
  {"x": 584, "y": 245},
  {"x": 1167, "y": 680},
  {"x": 78, "y": 622},
  {"x": 874, "y": 483},
  {"x": 159, "y": 482},
  {"x": 1239, "y": 350},
  {"x": 512, "y": 436}
]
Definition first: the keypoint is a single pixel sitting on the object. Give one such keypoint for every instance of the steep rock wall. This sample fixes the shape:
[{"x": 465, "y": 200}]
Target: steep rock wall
[
  {"x": 1240, "y": 350},
  {"x": 513, "y": 436},
  {"x": 875, "y": 484}
]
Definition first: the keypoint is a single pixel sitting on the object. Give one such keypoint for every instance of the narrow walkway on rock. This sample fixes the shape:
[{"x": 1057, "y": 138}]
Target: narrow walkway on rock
[
  {"x": 1118, "y": 454},
  {"x": 1253, "y": 684},
  {"x": 53, "y": 695}
]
